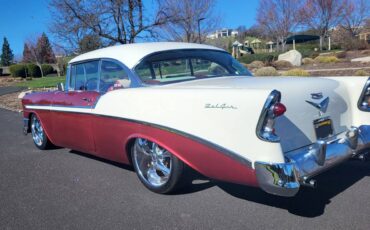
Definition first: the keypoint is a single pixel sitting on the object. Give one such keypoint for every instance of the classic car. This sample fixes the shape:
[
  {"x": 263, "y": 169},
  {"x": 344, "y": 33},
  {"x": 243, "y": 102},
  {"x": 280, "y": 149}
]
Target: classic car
[{"x": 167, "y": 107}]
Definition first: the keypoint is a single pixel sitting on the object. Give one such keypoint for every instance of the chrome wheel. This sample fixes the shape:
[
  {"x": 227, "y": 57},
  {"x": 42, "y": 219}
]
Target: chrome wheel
[
  {"x": 37, "y": 131},
  {"x": 152, "y": 162}
]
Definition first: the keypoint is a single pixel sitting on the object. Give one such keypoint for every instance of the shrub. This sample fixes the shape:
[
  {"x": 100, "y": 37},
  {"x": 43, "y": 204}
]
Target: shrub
[
  {"x": 282, "y": 64},
  {"x": 255, "y": 65},
  {"x": 266, "y": 71},
  {"x": 341, "y": 54},
  {"x": 361, "y": 72},
  {"x": 47, "y": 69},
  {"x": 264, "y": 57},
  {"x": 326, "y": 59},
  {"x": 307, "y": 61},
  {"x": 296, "y": 72},
  {"x": 18, "y": 70},
  {"x": 33, "y": 70}
]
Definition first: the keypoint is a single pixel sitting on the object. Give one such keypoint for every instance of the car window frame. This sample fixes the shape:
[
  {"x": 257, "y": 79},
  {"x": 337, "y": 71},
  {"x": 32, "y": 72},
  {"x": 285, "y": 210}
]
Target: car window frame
[{"x": 134, "y": 82}]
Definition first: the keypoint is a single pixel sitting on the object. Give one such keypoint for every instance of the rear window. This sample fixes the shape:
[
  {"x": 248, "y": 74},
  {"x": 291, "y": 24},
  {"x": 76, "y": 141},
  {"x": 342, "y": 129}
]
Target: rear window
[{"x": 184, "y": 65}]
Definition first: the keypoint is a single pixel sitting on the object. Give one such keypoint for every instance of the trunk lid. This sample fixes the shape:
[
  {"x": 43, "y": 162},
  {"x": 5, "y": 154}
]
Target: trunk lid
[{"x": 296, "y": 127}]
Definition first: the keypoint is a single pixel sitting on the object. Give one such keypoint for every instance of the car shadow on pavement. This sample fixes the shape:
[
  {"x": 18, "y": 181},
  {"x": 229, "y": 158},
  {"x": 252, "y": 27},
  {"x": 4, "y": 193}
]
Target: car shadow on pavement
[
  {"x": 308, "y": 202},
  {"x": 120, "y": 165}
]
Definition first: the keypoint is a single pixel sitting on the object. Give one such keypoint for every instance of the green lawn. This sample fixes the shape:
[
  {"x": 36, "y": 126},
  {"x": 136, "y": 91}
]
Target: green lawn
[{"x": 45, "y": 82}]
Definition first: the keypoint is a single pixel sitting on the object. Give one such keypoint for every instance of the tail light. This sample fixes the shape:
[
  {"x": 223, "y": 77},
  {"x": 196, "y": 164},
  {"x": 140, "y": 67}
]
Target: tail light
[
  {"x": 271, "y": 110},
  {"x": 364, "y": 102}
]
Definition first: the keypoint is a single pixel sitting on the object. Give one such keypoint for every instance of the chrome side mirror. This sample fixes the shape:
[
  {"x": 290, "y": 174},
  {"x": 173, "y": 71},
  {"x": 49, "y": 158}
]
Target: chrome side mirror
[{"x": 60, "y": 86}]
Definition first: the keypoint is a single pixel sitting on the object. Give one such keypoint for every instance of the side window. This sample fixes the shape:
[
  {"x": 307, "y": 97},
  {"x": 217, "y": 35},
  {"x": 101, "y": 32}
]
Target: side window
[
  {"x": 205, "y": 68},
  {"x": 112, "y": 77},
  {"x": 85, "y": 76},
  {"x": 92, "y": 75},
  {"x": 80, "y": 77}
]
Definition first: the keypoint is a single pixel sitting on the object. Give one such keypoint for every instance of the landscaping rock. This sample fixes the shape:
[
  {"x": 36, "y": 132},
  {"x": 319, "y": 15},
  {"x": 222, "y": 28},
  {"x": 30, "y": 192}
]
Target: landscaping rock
[
  {"x": 292, "y": 56},
  {"x": 362, "y": 59}
]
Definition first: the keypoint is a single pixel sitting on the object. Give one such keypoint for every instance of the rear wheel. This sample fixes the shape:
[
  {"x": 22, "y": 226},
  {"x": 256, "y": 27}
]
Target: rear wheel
[
  {"x": 38, "y": 134},
  {"x": 158, "y": 169}
]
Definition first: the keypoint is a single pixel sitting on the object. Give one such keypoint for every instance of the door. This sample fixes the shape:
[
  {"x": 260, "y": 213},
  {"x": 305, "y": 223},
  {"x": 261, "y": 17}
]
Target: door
[{"x": 72, "y": 119}]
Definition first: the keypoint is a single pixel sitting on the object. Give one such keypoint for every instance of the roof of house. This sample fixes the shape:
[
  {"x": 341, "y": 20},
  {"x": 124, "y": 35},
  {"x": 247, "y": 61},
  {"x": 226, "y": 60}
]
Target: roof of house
[{"x": 131, "y": 54}]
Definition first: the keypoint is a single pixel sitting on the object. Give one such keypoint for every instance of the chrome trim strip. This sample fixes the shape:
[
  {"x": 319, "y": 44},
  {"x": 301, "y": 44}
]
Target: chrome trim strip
[{"x": 210, "y": 144}]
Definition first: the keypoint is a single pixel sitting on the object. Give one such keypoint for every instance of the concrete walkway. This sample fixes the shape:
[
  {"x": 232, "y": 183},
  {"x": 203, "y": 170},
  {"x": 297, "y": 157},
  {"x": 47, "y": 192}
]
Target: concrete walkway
[{"x": 10, "y": 89}]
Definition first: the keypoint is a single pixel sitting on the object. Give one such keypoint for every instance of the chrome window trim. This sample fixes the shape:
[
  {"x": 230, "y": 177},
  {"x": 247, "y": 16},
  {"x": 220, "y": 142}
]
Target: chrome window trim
[
  {"x": 134, "y": 79},
  {"x": 142, "y": 84},
  {"x": 362, "y": 96}
]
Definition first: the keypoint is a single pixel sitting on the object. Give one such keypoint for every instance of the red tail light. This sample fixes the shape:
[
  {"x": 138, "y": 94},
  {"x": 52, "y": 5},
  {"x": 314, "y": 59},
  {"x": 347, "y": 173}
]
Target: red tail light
[{"x": 278, "y": 109}]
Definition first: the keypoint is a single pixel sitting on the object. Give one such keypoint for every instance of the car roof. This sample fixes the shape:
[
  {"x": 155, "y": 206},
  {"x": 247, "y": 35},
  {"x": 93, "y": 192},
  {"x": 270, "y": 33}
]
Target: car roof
[{"x": 131, "y": 54}]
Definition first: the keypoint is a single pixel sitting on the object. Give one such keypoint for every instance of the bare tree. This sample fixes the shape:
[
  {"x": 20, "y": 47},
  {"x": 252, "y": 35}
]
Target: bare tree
[
  {"x": 355, "y": 14},
  {"x": 35, "y": 53},
  {"x": 186, "y": 18},
  {"x": 323, "y": 15},
  {"x": 279, "y": 18},
  {"x": 115, "y": 21}
]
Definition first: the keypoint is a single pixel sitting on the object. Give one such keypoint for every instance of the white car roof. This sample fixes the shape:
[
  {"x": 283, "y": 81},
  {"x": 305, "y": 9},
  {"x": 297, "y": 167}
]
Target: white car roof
[{"x": 131, "y": 54}]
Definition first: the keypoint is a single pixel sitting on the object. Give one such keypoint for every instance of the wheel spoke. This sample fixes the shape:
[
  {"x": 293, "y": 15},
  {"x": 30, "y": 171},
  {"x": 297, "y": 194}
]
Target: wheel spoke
[{"x": 161, "y": 167}]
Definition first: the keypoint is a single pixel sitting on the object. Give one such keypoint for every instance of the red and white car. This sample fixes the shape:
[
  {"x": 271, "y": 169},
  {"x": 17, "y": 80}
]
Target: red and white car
[{"x": 165, "y": 106}]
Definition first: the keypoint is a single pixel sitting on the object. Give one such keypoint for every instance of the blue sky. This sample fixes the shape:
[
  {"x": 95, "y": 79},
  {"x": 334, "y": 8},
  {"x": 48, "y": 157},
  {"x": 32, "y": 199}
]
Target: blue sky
[{"x": 25, "y": 19}]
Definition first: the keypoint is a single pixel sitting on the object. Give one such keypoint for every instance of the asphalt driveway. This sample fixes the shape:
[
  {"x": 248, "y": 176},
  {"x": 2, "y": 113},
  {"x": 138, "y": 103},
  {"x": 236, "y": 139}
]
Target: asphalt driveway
[{"x": 63, "y": 189}]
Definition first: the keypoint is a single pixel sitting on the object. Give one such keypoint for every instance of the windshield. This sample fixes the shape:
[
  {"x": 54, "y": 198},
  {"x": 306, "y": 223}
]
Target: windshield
[{"x": 184, "y": 65}]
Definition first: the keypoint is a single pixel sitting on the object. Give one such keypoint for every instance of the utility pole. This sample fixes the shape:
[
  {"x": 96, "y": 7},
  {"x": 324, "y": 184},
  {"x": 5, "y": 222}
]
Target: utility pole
[{"x": 199, "y": 40}]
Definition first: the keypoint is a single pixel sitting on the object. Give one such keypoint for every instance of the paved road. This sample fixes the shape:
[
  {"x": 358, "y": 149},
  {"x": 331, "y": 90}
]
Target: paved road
[{"x": 63, "y": 189}]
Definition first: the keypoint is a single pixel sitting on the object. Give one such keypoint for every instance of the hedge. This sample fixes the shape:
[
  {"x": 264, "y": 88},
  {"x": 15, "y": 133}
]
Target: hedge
[
  {"x": 264, "y": 57},
  {"x": 47, "y": 69},
  {"x": 25, "y": 70},
  {"x": 18, "y": 70},
  {"x": 33, "y": 70}
]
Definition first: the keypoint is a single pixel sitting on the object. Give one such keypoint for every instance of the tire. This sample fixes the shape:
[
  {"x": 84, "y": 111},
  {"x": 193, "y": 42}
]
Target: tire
[
  {"x": 158, "y": 169},
  {"x": 38, "y": 134}
]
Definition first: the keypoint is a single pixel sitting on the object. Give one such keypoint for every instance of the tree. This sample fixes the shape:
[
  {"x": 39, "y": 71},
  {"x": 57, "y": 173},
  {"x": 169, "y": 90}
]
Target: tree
[
  {"x": 7, "y": 54},
  {"x": 27, "y": 55},
  {"x": 323, "y": 15},
  {"x": 114, "y": 21},
  {"x": 89, "y": 43},
  {"x": 39, "y": 51},
  {"x": 45, "y": 50},
  {"x": 279, "y": 18},
  {"x": 355, "y": 14},
  {"x": 187, "y": 19}
]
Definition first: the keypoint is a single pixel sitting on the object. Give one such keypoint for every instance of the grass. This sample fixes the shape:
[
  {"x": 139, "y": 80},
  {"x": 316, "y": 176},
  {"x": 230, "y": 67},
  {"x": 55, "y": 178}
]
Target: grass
[{"x": 45, "y": 82}]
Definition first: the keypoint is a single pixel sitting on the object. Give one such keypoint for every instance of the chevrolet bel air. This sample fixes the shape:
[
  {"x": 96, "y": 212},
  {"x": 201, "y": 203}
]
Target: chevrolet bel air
[{"x": 164, "y": 107}]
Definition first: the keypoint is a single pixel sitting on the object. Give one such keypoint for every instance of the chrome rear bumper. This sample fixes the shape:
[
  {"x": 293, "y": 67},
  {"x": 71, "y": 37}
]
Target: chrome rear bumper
[{"x": 285, "y": 179}]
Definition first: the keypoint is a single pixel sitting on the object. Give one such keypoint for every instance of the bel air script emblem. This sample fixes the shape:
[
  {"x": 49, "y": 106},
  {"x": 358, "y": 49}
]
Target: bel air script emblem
[
  {"x": 219, "y": 106},
  {"x": 322, "y": 105}
]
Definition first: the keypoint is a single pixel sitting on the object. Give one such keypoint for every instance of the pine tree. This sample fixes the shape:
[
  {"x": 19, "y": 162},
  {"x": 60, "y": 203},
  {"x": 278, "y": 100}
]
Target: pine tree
[
  {"x": 7, "y": 54},
  {"x": 27, "y": 55},
  {"x": 45, "y": 50}
]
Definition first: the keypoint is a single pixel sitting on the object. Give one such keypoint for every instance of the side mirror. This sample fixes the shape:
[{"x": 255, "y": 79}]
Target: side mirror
[{"x": 60, "y": 86}]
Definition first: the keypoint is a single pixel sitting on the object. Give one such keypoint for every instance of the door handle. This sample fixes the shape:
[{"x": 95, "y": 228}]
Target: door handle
[{"x": 86, "y": 99}]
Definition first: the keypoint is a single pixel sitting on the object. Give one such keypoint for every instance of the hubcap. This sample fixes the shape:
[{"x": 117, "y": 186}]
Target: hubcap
[
  {"x": 153, "y": 162},
  {"x": 37, "y": 131}
]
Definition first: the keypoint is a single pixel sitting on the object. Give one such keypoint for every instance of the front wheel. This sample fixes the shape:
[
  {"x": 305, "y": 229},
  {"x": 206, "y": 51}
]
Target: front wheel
[
  {"x": 158, "y": 169},
  {"x": 38, "y": 134}
]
